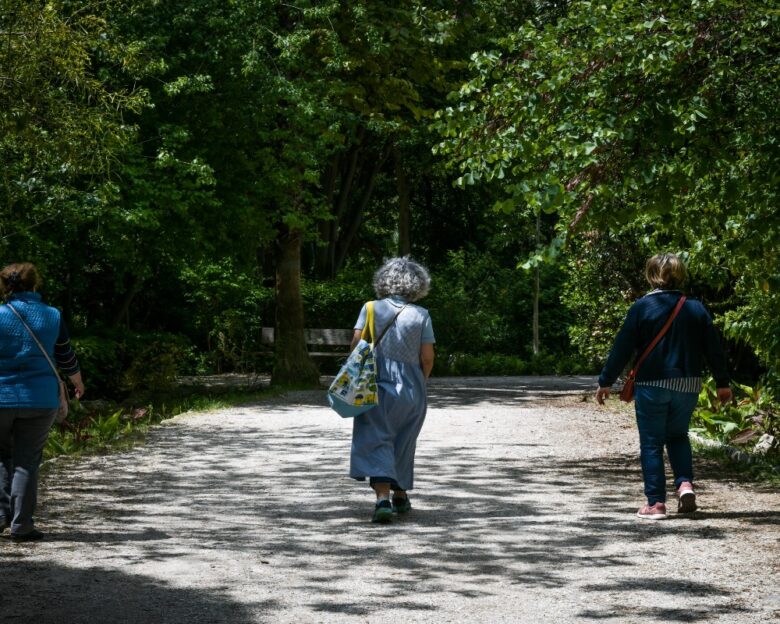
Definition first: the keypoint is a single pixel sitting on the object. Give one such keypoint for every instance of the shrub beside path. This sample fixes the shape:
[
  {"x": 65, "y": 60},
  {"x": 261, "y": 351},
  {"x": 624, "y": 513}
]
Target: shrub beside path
[{"x": 523, "y": 512}]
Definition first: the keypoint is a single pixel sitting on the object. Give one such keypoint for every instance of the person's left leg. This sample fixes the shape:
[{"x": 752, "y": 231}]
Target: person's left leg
[
  {"x": 6, "y": 465},
  {"x": 678, "y": 445},
  {"x": 30, "y": 432}
]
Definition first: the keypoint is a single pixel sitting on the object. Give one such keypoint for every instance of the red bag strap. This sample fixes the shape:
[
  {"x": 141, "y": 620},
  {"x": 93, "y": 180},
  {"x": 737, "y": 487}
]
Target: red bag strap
[{"x": 657, "y": 339}]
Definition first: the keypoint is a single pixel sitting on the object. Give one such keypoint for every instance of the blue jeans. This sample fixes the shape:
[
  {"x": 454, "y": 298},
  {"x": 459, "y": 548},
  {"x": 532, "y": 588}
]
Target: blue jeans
[
  {"x": 23, "y": 434},
  {"x": 663, "y": 417}
]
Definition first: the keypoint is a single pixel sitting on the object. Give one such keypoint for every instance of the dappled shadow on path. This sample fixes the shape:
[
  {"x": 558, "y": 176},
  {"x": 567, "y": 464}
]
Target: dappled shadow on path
[
  {"x": 752, "y": 517},
  {"x": 645, "y": 590},
  {"x": 48, "y": 593},
  {"x": 660, "y": 613},
  {"x": 488, "y": 515},
  {"x": 466, "y": 392}
]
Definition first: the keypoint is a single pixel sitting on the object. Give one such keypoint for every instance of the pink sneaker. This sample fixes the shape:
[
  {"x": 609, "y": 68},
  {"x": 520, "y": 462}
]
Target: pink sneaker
[
  {"x": 653, "y": 512},
  {"x": 686, "y": 498}
]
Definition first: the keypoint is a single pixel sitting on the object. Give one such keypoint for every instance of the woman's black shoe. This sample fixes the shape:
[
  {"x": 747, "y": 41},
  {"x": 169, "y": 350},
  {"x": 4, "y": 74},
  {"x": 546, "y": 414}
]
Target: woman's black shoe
[
  {"x": 32, "y": 536},
  {"x": 402, "y": 505}
]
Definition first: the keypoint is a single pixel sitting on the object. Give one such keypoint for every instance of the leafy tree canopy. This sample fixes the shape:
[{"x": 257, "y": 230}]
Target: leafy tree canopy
[
  {"x": 649, "y": 113},
  {"x": 60, "y": 121}
]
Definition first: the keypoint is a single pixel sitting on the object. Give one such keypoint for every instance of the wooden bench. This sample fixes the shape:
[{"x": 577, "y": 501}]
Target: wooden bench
[{"x": 336, "y": 342}]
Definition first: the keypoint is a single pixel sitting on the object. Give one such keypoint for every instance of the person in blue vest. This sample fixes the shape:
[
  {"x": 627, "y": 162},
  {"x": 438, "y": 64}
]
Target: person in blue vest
[
  {"x": 384, "y": 438},
  {"x": 669, "y": 380},
  {"x": 29, "y": 393}
]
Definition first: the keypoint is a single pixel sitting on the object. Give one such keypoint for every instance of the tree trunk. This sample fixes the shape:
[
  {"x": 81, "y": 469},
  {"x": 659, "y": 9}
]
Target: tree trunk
[
  {"x": 323, "y": 265},
  {"x": 292, "y": 364},
  {"x": 349, "y": 232},
  {"x": 536, "y": 292},
  {"x": 67, "y": 302},
  {"x": 122, "y": 313},
  {"x": 404, "y": 206},
  {"x": 342, "y": 202}
]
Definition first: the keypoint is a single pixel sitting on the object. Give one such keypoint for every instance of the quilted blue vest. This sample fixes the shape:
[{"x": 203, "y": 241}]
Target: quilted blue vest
[{"x": 26, "y": 379}]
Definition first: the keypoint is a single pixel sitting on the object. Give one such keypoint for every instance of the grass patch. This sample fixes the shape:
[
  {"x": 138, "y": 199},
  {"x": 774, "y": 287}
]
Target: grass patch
[
  {"x": 104, "y": 426},
  {"x": 760, "y": 469}
]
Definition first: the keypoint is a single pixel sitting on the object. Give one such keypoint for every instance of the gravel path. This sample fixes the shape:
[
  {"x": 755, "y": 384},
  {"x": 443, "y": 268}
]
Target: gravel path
[{"x": 524, "y": 512}]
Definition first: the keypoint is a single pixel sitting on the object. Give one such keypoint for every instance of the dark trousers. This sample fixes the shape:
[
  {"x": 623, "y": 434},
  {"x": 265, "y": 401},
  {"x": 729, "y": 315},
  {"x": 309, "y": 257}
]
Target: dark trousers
[
  {"x": 23, "y": 434},
  {"x": 663, "y": 417}
]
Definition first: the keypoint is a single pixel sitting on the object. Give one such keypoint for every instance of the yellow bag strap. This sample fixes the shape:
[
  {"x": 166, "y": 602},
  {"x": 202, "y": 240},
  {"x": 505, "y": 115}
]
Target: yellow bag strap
[{"x": 368, "y": 328}]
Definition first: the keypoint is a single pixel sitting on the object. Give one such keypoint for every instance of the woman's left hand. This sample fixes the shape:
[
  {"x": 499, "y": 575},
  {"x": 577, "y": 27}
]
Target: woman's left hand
[
  {"x": 725, "y": 395},
  {"x": 78, "y": 384}
]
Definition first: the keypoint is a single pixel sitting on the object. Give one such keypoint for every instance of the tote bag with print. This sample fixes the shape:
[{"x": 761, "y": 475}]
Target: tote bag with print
[{"x": 354, "y": 389}]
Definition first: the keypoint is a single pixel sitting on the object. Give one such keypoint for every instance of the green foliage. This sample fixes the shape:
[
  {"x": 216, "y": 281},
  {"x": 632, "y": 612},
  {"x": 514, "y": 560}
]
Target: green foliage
[
  {"x": 229, "y": 307},
  {"x": 652, "y": 114},
  {"x": 762, "y": 469},
  {"x": 157, "y": 359},
  {"x": 498, "y": 364},
  {"x": 101, "y": 363},
  {"x": 479, "y": 304},
  {"x": 604, "y": 276},
  {"x": 753, "y": 412},
  {"x": 154, "y": 155},
  {"x": 61, "y": 126},
  {"x": 122, "y": 361},
  {"x": 336, "y": 303},
  {"x": 93, "y": 430},
  {"x": 98, "y": 426}
]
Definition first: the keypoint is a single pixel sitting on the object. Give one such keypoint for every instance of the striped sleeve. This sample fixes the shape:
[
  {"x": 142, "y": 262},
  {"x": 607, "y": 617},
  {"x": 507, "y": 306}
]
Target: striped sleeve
[{"x": 63, "y": 352}]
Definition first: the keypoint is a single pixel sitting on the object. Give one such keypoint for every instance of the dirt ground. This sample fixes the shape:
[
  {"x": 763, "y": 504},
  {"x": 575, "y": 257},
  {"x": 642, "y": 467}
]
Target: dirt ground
[{"x": 524, "y": 511}]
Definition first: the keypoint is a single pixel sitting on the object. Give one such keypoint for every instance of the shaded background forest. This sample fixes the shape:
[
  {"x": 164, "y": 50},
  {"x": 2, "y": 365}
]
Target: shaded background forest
[{"x": 186, "y": 172}]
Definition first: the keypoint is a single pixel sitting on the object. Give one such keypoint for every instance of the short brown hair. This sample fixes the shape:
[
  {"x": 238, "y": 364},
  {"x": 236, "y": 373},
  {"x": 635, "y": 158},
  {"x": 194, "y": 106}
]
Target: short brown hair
[
  {"x": 19, "y": 277},
  {"x": 666, "y": 271}
]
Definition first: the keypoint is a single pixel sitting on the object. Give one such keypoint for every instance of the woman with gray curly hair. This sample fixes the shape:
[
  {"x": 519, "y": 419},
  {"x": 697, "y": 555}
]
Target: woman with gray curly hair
[{"x": 385, "y": 437}]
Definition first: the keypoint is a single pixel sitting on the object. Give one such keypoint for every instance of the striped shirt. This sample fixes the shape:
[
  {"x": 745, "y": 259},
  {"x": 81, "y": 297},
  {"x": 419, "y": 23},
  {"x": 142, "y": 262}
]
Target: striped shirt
[{"x": 680, "y": 384}]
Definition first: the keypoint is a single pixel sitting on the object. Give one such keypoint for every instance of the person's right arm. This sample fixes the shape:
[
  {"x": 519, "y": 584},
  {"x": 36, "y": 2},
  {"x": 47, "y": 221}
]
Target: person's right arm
[
  {"x": 355, "y": 339},
  {"x": 619, "y": 355},
  {"x": 426, "y": 358},
  {"x": 359, "y": 325}
]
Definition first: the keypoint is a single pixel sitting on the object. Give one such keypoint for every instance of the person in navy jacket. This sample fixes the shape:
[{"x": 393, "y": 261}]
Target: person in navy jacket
[
  {"x": 29, "y": 393},
  {"x": 669, "y": 380}
]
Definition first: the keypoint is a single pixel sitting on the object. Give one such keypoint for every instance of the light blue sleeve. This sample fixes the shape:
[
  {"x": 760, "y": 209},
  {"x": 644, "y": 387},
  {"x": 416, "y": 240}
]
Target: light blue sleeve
[
  {"x": 361, "y": 322},
  {"x": 427, "y": 331}
]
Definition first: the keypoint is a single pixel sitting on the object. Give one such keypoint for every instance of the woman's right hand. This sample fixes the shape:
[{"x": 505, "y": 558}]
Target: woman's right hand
[{"x": 601, "y": 394}]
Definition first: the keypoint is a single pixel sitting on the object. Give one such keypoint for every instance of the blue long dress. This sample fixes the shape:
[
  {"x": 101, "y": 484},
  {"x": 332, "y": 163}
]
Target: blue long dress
[{"x": 384, "y": 438}]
